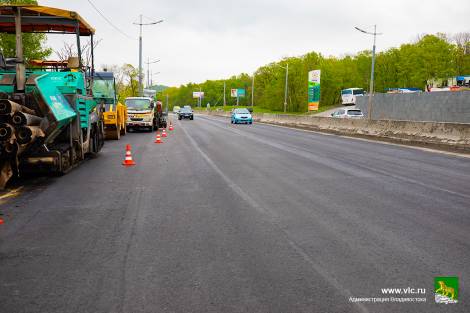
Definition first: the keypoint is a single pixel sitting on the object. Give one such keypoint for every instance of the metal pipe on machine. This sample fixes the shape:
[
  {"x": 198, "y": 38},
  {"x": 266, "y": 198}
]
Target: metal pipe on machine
[
  {"x": 8, "y": 106},
  {"x": 6, "y": 131},
  {"x": 27, "y": 134},
  {"x": 21, "y": 119},
  {"x": 10, "y": 148}
]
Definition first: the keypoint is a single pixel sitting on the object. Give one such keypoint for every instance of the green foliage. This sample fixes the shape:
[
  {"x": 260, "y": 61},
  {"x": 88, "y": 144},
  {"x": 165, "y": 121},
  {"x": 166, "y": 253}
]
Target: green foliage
[
  {"x": 410, "y": 65},
  {"x": 33, "y": 44}
]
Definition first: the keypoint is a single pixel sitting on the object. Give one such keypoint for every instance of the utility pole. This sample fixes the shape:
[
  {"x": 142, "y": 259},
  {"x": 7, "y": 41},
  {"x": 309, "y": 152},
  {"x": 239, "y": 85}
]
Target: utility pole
[
  {"x": 224, "y": 94},
  {"x": 141, "y": 88},
  {"x": 151, "y": 77},
  {"x": 285, "y": 89},
  {"x": 148, "y": 70},
  {"x": 200, "y": 97},
  {"x": 253, "y": 90},
  {"x": 371, "y": 86},
  {"x": 167, "y": 103}
]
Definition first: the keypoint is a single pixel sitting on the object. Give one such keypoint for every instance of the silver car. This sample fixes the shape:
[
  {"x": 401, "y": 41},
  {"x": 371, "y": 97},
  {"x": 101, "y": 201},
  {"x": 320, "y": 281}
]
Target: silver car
[{"x": 347, "y": 113}]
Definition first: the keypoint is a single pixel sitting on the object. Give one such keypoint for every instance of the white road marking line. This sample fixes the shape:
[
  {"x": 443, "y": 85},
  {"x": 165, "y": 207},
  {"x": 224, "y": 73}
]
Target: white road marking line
[{"x": 274, "y": 219}]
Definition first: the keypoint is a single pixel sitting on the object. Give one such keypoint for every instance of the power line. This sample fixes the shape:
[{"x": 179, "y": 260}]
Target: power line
[{"x": 109, "y": 22}]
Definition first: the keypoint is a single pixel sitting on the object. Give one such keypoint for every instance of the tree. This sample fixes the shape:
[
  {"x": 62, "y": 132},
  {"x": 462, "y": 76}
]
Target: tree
[
  {"x": 462, "y": 53},
  {"x": 33, "y": 44},
  {"x": 69, "y": 50},
  {"x": 410, "y": 65}
]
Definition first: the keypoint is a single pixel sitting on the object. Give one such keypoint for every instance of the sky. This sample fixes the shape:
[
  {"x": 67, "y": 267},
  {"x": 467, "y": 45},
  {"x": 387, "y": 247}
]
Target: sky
[{"x": 209, "y": 39}]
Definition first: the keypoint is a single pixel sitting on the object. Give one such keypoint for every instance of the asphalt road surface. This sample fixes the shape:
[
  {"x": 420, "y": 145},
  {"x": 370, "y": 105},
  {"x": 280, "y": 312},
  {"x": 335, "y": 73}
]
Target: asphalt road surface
[{"x": 239, "y": 218}]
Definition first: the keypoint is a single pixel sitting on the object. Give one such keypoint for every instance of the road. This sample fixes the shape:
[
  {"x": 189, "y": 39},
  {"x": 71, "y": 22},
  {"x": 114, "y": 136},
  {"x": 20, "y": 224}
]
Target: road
[{"x": 238, "y": 218}]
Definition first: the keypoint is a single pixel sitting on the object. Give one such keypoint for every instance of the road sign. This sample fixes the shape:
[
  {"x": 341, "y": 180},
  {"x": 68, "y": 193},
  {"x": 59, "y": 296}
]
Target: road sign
[{"x": 314, "y": 90}]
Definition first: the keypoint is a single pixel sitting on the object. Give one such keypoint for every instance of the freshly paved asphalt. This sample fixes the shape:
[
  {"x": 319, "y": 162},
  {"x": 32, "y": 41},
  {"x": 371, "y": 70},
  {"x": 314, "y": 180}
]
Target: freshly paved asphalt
[{"x": 238, "y": 218}]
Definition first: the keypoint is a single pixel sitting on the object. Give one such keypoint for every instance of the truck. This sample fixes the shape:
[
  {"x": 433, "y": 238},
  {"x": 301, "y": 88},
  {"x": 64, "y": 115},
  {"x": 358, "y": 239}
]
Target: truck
[
  {"x": 144, "y": 113},
  {"x": 49, "y": 120},
  {"x": 115, "y": 113}
]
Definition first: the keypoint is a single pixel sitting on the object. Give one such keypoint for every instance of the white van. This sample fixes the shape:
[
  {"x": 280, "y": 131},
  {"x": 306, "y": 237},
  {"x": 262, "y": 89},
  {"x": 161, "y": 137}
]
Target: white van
[{"x": 348, "y": 96}]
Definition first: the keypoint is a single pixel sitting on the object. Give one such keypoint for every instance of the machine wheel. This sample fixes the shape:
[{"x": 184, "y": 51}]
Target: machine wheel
[
  {"x": 123, "y": 131},
  {"x": 117, "y": 134},
  {"x": 113, "y": 133},
  {"x": 97, "y": 136}
]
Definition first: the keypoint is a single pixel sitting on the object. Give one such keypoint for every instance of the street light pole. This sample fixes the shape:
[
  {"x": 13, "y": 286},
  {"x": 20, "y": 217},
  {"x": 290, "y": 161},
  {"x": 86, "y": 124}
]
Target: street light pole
[
  {"x": 285, "y": 89},
  {"x": 224, "y": 94},
  {"x": 141, "y": 87},
  {"x": 253, "y": 90},
  {"x": 151, "y": 77},
  {"x": 200, "y": 99},
  {"x": 372, "y": 70},
  {"x": 148, "y": 70}
]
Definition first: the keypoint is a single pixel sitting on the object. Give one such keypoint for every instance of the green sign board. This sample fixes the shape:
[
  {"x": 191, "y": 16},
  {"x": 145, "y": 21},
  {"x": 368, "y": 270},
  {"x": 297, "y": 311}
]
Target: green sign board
[
  {"x": 237, "y": 93},
  {"x": 313, "y": 90}
]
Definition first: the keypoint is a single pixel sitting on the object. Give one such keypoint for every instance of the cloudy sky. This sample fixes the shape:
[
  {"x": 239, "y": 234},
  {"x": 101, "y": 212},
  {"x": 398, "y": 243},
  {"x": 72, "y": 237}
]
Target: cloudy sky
[{"x": 210, "y": 39}]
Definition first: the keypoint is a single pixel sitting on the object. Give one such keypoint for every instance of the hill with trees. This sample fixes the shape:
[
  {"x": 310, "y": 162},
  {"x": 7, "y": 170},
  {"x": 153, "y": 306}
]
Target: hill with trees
[{"x": 410, "y": 65}]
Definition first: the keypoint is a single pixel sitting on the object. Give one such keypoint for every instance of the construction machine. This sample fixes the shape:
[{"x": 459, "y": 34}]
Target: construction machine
[
  {"x": 115, "y": 113},
  {"x": 49, "y": 119}
]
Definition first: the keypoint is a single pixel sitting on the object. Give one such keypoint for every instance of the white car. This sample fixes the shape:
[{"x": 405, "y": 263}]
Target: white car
[{"x": 347, "y": 113}]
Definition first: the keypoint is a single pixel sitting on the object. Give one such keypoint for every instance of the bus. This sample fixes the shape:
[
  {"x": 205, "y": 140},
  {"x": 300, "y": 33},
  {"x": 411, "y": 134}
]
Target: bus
[{"x": 348, "y": 96}]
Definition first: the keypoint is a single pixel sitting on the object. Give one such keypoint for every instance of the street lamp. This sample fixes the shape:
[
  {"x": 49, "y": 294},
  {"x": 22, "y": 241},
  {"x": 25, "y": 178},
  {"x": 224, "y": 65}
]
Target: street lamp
[
  {"x": 253, "y": 89},
  {"x": 141, "y": 89},
  {"x": 371, "y": 86},
  {"x": 285, "y": 88},
  {"x": 148, "y": 70},
  {"x": 151, "y": 77}
]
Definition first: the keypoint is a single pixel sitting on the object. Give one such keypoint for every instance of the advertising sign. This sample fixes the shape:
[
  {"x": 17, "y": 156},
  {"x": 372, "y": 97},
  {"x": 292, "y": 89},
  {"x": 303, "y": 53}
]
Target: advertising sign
[
  {"x": 314, "y": 90},
  {"x": 237, "y": 93},
  {"x": 198, "y": 94}
]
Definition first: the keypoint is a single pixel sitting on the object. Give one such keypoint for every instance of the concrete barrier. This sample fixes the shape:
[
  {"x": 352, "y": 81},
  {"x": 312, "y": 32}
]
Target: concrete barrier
[
  {"x": 449, "y": 136},
  {"x": 444, "y": 106}
]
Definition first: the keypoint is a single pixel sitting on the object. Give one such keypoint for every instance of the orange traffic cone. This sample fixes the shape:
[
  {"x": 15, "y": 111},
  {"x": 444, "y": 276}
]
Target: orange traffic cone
[
  {"x": 163, "y": 133},
  {"x": 1, "y": 221},
  {"x": 158, "y": 139},
  {"x": 128, "y": 160},
  {"x": 171, "y": 126}
]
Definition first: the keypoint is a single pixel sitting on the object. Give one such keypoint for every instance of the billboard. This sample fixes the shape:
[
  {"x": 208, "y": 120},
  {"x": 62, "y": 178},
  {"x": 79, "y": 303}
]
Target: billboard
[
  {"x": 314, "y": 90},
  {"x": 237, "y": 93},
  {"x": 198, "y": 94}
]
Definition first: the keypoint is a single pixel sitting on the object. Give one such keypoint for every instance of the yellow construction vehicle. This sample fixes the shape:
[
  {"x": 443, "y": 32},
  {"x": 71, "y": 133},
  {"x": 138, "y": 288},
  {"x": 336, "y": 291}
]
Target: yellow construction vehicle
[{"x": 115, "y": 113}]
